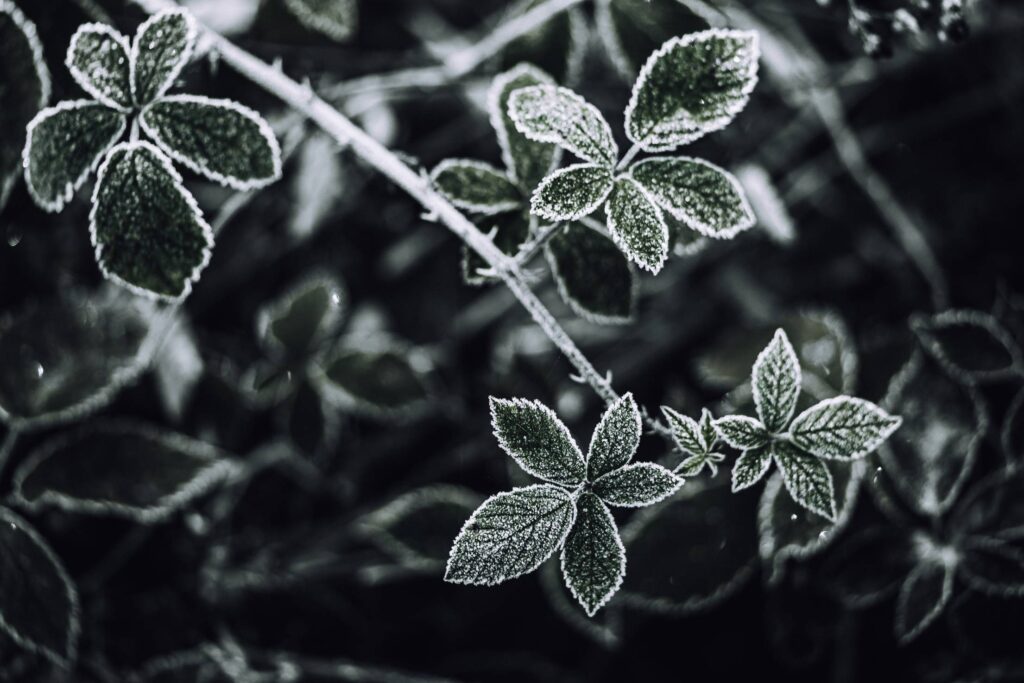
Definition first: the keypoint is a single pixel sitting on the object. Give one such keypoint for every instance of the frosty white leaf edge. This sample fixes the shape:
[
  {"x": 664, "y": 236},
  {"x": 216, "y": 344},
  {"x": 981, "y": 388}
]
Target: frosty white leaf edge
[
  {"x": 605, "y": 150},
  {"x": 615, "y": 229},
  {"x": 592, "y": 607},
  {"x": 475, "y": 207},
  {"x": 496, "y": 115},
  {"x": 884, "y": 425},
  {"x": 538, "y": 207},
  {"x": 28, "y": 29},
  {"x": 83, "y": 79},
  {"x": 574, "y": 453},
  {"x": 586, "y": 314},
  {"x": 183, "y": 57},
  {"x": 776, "y": 393}
]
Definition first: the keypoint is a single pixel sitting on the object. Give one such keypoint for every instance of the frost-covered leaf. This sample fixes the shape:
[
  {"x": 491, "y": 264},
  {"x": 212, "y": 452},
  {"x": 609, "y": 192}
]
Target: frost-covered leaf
[
  {"x": 571, "y": 192},
  {"x": 707, "y": 428},
  {"x": 558, "y": 46},
  {"x": 593, "y": 276},
  {"x": 38, "y": 602},
  {"x": 807, "y": 479},
  {"x": 24, "y": 89},
  {"x": 375, "y": 379},
  {"x": 706, "y": 198},
  {"x": 557, "y": 115},
  {"x": 842, "y": 428},
  {"x": 508, "y": 231},
  {"x": 476, "y": 186},
  {"x": 63, "y": 145},
  {"x": 298, "y": 322},
  {"x": 536, "y": 439},
  {"x": 992, "y": 566},
  {"x": 632, "y": 29},
  {"x": 972, "y": 345},
  {"x": 923, "y": 596},
  {"x": 98, "y": 60},
  {"x": 741, "y": 432},
  {"x": 692, "y": 85},
  {"x": 868, "y": 566},
  {"x": 593, "y": 557},
  {"x": 775, "y": 382},
  {"x": 120, "y": 469},
  {"x": 148, "y": 231},
  {"x": 637, "y": 485},
  {"x": 161, "y": 49},
  {"x": 686, "y": 432},
  {"x": 605, "y": 630},
  {"x": 615, "y": 439},
  {"x": 511, "y": 534},
  {"x": 527, "y": 161},
  {"x": 336, "y": 19},
  {"x": 637, "y": 226},
  {"x": 220, "y": 139},
  {"x": 750, "y": 467}
]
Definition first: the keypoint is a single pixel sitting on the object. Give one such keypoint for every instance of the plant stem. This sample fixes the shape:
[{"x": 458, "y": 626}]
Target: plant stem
[
  {"x": 7, "y": 447},
  {"x": 630, "y": 155},
  {"x": 528, "y": 250}
]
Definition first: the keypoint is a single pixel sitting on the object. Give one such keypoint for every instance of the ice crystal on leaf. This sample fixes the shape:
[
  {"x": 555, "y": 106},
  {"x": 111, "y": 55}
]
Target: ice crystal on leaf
[
  {"x": 557, "y": 115},
  {"x": 695, "y": 439}
]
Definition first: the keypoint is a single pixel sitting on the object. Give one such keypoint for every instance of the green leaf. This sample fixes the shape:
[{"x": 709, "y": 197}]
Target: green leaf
[
  {"x": 593, "y": 557},
  {"x": 63, "y": 145},
  {"x": 508, "y": 231},
  {"x": 692, "y": 85},
  {"x": 549, "y": 113},
  {"x": 122, "y": 470},
  {"x": 685, "y": 432},
  {"x": 631, "y": 30},
  {"x": 637, "y": 226},
  {"x": 597, "y": 282},
  {"x": 971, "y": 345},
  {"x": 536, "y": 439},
  {"x": 98, "y": 60},
  {"x": 527, "y": 161},
  {"x": 775, "y": 382},
  {"x": 476, "y": 186},
  {"x": 807, "y": 479},
  {"x": 304, "y": 317},
  {"x": 571, "y": 192},
  {"x": 637, "y": 485},
  {"x": 707, "y": 428},
  {"x": 741, "y": 432},
  {"x": 750, "y": 467},
  {"x": 148, "y": 231},
  {"x": 162, "y": 47},
  {"x": 615, "y": 439},
  {"x": 336, "y": 19},
  {"x": 219, "y": 139},
  {"x": 707, "y": 198},
  {"x": 25, "y": 89},
  {"x": 842, "y": 428},
  {"x": 511, "y": 534},
  {"x": 375, "y": 379},
  {"x": 695, "y": 464},
  {"x": 38, "y": 602}
]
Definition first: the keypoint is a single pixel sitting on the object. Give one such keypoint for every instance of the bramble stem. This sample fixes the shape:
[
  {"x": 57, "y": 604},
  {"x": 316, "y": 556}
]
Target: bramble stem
[
  {"x": 529, "y": 249},
  {"x": 630, "y": 155}
]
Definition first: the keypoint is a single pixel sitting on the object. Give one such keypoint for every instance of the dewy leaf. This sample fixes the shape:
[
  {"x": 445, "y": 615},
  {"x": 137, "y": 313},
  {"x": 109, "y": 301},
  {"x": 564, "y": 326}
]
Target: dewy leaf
[
  {"x": 220, "y": 139},
  {"x": 300, "y": 320},
  {"x": 374, "y": 379},
  {"x": 775, "y": 382},
  {"x": 593, "y": 557},
  {"x": 508, "y": 231},
  {"x": 98, "y": 59},
  {"x": 594, "y": 278},
  {"x": 615, "y": 439},
  {"x": 807, "y": 479},
  {"x": 750, "y": 467},
  {"x": 536, "y": 439},
  {"x": 631, "y": 30},
  {"x": 119, "y": 469},
  {"x": 741, "y": 432},
  {"x": 637, "y": 226},
  {"x": 511, "y": 534},
  {"x": 527, "y": 161},
  {"x": 923, "y": 596},
  {"x": 843, "y": 428},
  {"x": 63, "y": 145},
  {"x": 549, "y": 113},
  {"x": 637, "y": 485},
  {"x": 685, "y": 432},
  {"x": 161, "y": 49},
  {"x": 148, "y": 231},
  {"x": 38, "y": 602},
  {"x": 705, "y": 197},
  {"x": 692, "y": 85},
  {"x": 970, "y": 344},
  {"x": 571, "y": 192},
  {"x": 476, "y": 186},
  {"x": 336, "y": 19}
]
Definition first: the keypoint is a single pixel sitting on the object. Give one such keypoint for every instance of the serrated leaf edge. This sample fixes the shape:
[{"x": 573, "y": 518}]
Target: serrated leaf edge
[
  {"x": 538, "y": 210},
  {"x": 494, "y": 401},
  {"x": 643, "y": 465},
  {"x": 495, "y": 115},
  {"x": 622, "y": 573},
  {"x": 883, "y": 435},
  {"x": 613, "y": 229},
  {"x": 781, "y": 338},
  {"x": 555, "y": 139},
  {"x": 484, "y": 209}
]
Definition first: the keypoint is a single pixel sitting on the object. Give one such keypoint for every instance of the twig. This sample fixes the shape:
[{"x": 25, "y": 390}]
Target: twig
[{"x": 7, "y": 447}]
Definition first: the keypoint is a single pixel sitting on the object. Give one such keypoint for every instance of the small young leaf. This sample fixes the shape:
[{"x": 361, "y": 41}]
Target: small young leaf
[
  {"x": 692, "y": 85},
  {"x": 615, "y": 439},
  {"x": 923, "y": 596},
  {"x": 549, "y": 113},
  {"x": 807, "y": 479},
  {"x": 219, "y": 139},
  {"x": 336, "y": 19},
  {"x": 63, "y": 145},
  {"x": 970, "y": 344},
  {"x": 750, "y": 467},
  {"x": 98, "y": 60},
  {"x": 707, "y": 428},
  {"x": 686, "y": 432},
  {"x": 705, "y": 197},
  {"x": 511, "y": 534},
  {"x": 594, "y": 278},
  {"x": 299, "y": 321},
  {"x": 843, "y": 428},
  {"x": 741, "y": 432},
  {"x": 775, "y": 382},
  {"x": 694, "y": 465},
  {"x": 593, "y": 557},
  {"x": 637, "y": 226},
  {"x": 527, "y": 161},
  {"x": 376, "y": 380},
  {"x": 148, "y": 231},
  {"x": 38, "y": 602},
  {"x": 476, "y": 186},
  {"x": 161, "y": 49},
  {"x": 508, "y": 231},
  {"x": 631, "y": 30},
  {"x": 571, "y": 192},
  {"x": 637, "y": 485},
  {"x": 536, "y": 439}
]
